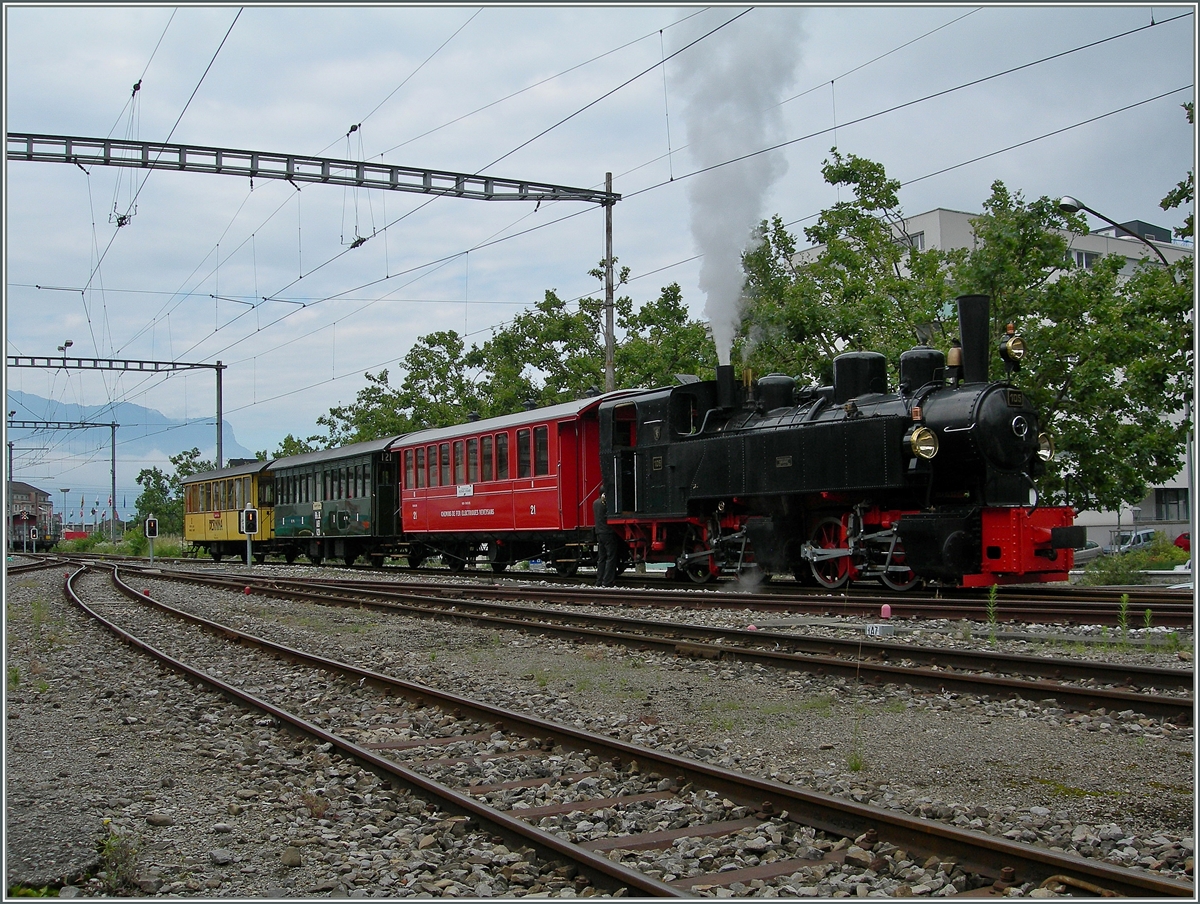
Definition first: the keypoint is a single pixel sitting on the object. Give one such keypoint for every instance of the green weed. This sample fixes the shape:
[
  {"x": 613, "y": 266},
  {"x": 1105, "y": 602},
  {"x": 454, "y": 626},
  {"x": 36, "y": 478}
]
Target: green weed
[
  {"x": 14, "y": 677},
  {"x": 991, "y": 611},
  {"x": 119, "y": 864},
  {"x": 822, "y": 706}
]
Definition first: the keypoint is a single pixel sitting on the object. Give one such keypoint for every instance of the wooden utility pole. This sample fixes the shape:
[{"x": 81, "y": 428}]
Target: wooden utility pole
[{"x": 610, "y": 379}]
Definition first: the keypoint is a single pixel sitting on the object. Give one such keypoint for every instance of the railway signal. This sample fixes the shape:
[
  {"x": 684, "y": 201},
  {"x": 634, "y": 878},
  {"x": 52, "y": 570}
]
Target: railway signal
[
  {"x": 248, "y": 525},
  {"x": 151, "y": 534}
]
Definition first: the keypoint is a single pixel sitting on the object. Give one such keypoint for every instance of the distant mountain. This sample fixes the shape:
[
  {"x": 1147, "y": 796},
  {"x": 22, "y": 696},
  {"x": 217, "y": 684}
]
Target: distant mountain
[{"x": 81, "y": 458}]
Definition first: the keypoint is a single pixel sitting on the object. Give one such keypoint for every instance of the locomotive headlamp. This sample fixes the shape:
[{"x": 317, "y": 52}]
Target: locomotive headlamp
[
  {"x": 923, "y": 442},
  {"x": 1013, "y": 348},
  {"x": 1045, "y": 447}
]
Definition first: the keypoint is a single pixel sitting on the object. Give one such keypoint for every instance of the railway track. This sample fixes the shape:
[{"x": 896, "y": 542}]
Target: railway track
[
  {"x": 1073, "y": 684},
  {"x": 465, "y": 754},
  {"x": 1043, "y": 604}
]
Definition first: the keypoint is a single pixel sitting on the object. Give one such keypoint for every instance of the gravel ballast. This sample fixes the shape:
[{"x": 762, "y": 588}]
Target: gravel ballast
[{"x": 217, "y": 801}]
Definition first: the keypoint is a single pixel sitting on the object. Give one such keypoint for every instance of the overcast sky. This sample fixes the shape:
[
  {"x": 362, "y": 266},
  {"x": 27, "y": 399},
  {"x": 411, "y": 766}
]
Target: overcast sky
[{"x": 559, "y": 95}]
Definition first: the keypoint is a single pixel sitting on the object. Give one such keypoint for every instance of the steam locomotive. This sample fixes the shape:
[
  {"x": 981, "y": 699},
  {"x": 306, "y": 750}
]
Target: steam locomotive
[{"x": 935, "y": 481}]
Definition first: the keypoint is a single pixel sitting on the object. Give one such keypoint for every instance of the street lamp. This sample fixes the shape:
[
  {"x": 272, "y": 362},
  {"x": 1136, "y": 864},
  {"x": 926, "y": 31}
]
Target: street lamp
[
  {"x": 66, "y": 345},
  {"x": 63, "y": 519},
  {"x": 1067, "y": 204}
]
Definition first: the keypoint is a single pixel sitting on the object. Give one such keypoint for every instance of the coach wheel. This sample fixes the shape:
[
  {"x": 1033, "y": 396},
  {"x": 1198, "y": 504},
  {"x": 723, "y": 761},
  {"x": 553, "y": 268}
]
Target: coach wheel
[
  {"x": 377, "y": 560},
  {"x": 834, "y": 573},
  {"x": 566, "y": 562},
  {"x": 216, "y": 554},
  {"x": 350, "y": 558},
  {"x": 499, "y": 556},
  {"x": 416, "y": 556},
  {"x": 316, "y": 558},
  {"x": 260, "y": 557},
  {"x": 289, "y": 556},
  {"x": 455, "y": 558}
]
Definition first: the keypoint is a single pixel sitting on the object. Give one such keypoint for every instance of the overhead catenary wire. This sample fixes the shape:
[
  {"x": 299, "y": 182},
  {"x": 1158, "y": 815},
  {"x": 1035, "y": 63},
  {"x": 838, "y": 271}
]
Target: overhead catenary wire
[
  {"x": 922, "y": 177},
  {"x": 536, "y": 84}
]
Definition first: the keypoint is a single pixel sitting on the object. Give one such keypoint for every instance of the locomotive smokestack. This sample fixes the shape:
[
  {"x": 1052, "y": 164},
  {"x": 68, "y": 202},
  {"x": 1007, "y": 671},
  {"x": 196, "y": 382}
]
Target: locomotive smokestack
[
  {"x": 973, "y": 327},
  {"x": 725, "y": 387}
]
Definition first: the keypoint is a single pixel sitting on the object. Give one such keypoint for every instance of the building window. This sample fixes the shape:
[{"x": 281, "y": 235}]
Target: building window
[
  {"x": 916, "y": 241},
  {"x": 1083, "y": 260},
  {"x": 1171, "y": 505}
]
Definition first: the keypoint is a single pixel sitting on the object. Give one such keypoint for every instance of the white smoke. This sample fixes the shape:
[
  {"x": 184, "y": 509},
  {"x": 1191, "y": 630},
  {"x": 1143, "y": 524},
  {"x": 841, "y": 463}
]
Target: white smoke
[{"x": 732, "y": 83}]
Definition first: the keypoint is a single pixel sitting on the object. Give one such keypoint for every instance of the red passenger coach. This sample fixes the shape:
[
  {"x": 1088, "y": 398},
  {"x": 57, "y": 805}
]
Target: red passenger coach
[{"x": 516, "y": 487}]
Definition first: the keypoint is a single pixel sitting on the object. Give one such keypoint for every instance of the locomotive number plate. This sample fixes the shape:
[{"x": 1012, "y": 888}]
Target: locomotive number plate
[
  {"x": 1016, "y": 399},
  {"x": 783, "y": 461},
  {"x": 656, "y": 463}
]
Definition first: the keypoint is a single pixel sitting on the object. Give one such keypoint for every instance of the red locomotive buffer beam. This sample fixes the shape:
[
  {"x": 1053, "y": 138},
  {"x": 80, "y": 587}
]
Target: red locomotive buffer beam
[{"x": 1024, "y": 547}]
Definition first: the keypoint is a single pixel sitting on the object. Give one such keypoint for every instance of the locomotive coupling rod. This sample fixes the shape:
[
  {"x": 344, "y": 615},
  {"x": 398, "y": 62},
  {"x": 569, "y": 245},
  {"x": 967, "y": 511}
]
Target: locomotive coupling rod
[
  {"x": 812, "y": 553},
  {"x": 685, "y": 558}
]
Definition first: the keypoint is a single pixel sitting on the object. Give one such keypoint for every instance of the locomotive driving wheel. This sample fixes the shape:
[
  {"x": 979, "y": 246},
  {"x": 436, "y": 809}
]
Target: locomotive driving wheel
[
  {"x": 902, "y": 578},
  {"x": 698, "y": 570},
  {"x": 832, "y": 573}
]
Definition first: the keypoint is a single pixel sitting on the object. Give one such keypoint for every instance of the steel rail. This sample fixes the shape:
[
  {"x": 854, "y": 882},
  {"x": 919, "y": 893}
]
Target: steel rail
[
  {"x": 858, "y": 648},
  {"x": 612, "y": 875},
  {"x": 1179, "y": 708},
  {"x": 983, "y": 854}
]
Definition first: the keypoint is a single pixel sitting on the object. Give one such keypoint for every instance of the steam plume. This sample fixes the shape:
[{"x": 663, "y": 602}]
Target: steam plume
[{"x": 732, "y": 83}]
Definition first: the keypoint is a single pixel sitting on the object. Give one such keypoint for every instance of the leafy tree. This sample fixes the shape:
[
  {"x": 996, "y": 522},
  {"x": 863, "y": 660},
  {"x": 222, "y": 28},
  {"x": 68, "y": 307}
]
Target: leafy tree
[
  {"x": 869, "y": 289},
  {"x": 1185, "y": 191},
  {"x": 291, "y": 445},
  {"x": 547, "y": 354},
  {"x": 374, "y": 413},
  {"x": 661, "y": 340},
  {"x": 1109, "y": 365},
  {"x": 161, "y": 494},
  {"x": 1110, "y": 355}
]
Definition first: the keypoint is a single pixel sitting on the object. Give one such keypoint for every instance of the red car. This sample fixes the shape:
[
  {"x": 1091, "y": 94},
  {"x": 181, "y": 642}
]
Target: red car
[{"x": 1184, "y": 541}]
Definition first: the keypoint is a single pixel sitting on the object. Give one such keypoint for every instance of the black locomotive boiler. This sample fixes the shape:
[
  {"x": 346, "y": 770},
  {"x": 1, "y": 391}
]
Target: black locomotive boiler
[{"x": 935, "y": 480}]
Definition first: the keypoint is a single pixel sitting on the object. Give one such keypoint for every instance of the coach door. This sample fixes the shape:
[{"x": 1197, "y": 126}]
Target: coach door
[{"x": 385, "y": 494}]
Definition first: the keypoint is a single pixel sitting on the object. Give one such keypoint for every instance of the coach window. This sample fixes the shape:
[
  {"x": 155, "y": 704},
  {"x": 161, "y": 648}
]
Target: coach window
[
  {"x": 433, "y": 466},
  {"x": 472, "y": 461},
  {"x": 486, "y": 449},
  {"x": 460, "y": 471},
  {"x": 541, "y": 451},
  {"x": 236, "y": 502},
  {"x": 444, "y": 450},
  {"x": 502, "y": 456},
  {"x": 420, "y": 481},
  {"x": 523, "y": 453}
]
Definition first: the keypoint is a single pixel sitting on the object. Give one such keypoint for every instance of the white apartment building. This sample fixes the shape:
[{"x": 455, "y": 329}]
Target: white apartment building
[{"x": 1165, "y": 507}]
